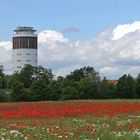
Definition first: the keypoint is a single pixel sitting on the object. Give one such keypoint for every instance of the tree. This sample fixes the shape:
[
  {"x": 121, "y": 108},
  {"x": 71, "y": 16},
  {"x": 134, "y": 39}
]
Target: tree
[
  {"x": 55, "y": 90},
  {"x": 29, "y": 73},
  {"x": 138, "y": 86},
  {"x": 60, "y": 78},
  {"x": 39, "y": 90},
  {"x": 84, "y": 72},
  {"x": 26, "y": 75},
  {"x": 69, "y": 93},
  {"x": 126, "y": 87},
  {"x": 42, "y": 74},
  {"x": 4, "y": 97},
  {"x": 88, "y": 88},
  {"x": 11, "y": 79},
  {"x": 105, "y": 90},
  {"x": 87, "y": 79},
  {"x": 2, "y": 79},
  {"x": 112, "y": 91},
  {"x": 18, "y": 93}
]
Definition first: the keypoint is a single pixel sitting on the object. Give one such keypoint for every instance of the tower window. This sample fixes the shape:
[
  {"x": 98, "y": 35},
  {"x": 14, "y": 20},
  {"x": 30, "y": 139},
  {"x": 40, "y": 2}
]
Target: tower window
[
  {"x": 18, "y": 66},
  {"x": 18, "y": 53},
  {"x": 28, "y": 60}
]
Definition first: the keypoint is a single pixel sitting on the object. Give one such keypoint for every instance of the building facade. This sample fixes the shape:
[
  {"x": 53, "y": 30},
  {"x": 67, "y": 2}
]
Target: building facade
[{"x": 25, "y": 48}]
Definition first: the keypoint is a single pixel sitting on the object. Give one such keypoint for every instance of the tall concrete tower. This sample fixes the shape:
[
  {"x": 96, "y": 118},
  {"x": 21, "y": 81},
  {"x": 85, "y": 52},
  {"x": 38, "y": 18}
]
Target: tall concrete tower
[{"x": 24, "y": 48}]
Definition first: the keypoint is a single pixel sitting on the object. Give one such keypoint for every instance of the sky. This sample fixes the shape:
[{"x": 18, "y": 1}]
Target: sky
[{"x": 103, "y": 34}]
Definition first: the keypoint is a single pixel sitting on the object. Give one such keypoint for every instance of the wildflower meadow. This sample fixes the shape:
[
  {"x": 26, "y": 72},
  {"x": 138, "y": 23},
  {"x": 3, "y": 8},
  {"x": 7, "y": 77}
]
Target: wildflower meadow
[{"x": 70, "y": 120}]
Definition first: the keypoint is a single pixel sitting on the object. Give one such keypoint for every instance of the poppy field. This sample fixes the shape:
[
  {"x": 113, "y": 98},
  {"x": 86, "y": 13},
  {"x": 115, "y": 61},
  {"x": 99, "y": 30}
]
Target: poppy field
[{"x": 70, "y": 120}]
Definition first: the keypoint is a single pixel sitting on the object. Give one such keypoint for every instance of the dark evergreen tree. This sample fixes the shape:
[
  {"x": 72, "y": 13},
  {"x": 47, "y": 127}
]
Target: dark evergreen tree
[
  {"x": 26, "y": 76},
  {"x": 88, "y": 88},
  {"x": 88, "y": 79},
  {"x": 42, "y": 74},
  {"x": 18, "y": 93},
  {"x": 4, "y": 97},
  {"x": 55, "y": 90},
  {"x": 125, "y": 87},
  {"x": 38, "y": 90},
  {"x": 84, "y": 72},
  {"x": 138, "y": 86},
  {"x": 69, "y": 93},
  {"x": 103, "y": 91},
  {"x": 2, "y": 79}
]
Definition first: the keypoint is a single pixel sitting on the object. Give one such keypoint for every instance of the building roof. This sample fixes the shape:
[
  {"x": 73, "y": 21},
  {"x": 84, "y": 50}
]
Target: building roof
[
  {"x": 112, "y": 81},
  {"x": 24, "y": 28}
]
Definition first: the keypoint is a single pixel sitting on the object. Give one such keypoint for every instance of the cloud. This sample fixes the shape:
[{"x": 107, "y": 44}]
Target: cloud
[
  {"x": 111, "y": 57},
  {"x": 110, "y": 72},
  {"x": 71, "y": 29},
  {"x": 6, "y": 55},
  {"x": 50, "y": 36},
  {"x": 52, "y": 46},
  {"x": 122, "y": 30}
]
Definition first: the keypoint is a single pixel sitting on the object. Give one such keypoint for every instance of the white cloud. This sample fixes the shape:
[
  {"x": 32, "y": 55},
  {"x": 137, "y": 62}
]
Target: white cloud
[
  {"x": 50, "y": 36},
  {"x": 122, "y": 30},
  {"x": 110, "y": 72},
  {"x": 110, "y": 56},
  {"x": 53, "y": 47},
  {"x": 6, "y": 45},
  {"x": 6, "y": 55}
]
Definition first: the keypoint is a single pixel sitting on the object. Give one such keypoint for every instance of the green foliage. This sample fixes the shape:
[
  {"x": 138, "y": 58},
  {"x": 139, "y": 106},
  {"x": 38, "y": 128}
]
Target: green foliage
[
  {"x": 69, "y": 93},
  {"x": 18, "y": 93},
  {"x": 84, "y": 72},
  {"x": 29, "y": 73},
  {"x": 4, "y": 97},
  {"x": 126, "y": 87},
  {"x": 103, "y": 89},
  {"x": 38, "y": 78},
  {"x": 138, "y": 86},
  {"x": 37, "y": 84},
  {"x": 12, "y": 79},
  {"x": 26, "y": 76},
  {"x": 88, "y": 88},
  {"x": 55, "y": 90},
  {"x": 2, "y": 79},
  {"x": 38, "y": 89},
  {"x": 87, "y": 79},
  {"x": 42, "y": 74}
]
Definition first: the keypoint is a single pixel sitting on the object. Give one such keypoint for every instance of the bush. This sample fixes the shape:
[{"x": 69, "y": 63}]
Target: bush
[
  {"x": 4, "y": 97},
  {"x": 69, "y": 93}
]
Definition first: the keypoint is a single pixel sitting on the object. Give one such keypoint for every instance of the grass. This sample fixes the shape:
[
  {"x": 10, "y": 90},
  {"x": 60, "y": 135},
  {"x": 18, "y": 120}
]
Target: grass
[{"x": 89, "y": 127}]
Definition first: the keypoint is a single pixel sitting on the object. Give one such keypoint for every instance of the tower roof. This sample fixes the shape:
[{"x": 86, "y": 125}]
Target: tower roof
[{"x": 24, "y": 28}]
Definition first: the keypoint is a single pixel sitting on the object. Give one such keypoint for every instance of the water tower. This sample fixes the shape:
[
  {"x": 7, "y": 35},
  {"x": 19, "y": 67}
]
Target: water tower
[{"x": 24, "y": 48}]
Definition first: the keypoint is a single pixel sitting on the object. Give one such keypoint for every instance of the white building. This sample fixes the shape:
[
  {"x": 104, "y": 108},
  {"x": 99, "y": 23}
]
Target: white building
[{"x": 24, "y": 48}]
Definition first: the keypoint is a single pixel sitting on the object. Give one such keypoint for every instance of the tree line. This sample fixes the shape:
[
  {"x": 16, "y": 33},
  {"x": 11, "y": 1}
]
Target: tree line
[{"x": 39, "y": 84}]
